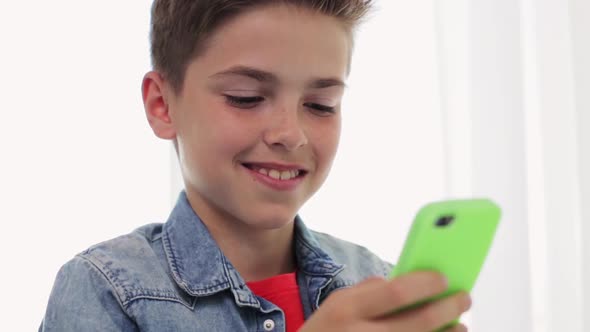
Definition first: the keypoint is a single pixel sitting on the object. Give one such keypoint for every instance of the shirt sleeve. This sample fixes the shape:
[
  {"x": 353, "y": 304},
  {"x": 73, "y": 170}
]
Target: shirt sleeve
[
  {"x": 387, "y": 267},
  {"x": 82, "y": 299}
]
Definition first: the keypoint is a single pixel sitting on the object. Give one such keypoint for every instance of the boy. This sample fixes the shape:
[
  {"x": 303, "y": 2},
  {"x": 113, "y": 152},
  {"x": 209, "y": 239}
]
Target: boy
[{"x": 249, "y": 92}]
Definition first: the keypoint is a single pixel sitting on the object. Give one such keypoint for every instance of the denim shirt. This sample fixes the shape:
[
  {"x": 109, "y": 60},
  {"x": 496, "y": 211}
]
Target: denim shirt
[{"x": 174, "y": 277}]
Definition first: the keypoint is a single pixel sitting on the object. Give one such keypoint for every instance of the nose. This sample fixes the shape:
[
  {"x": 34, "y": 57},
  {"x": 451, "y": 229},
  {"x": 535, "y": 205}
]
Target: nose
[{"x": 286, "y": 130}]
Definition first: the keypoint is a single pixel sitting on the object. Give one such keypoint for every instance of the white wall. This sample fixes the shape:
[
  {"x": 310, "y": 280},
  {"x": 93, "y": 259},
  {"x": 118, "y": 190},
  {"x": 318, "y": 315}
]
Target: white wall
[
  {"x": 79, "y": 163},
  {"x": 580, "y": 26}
]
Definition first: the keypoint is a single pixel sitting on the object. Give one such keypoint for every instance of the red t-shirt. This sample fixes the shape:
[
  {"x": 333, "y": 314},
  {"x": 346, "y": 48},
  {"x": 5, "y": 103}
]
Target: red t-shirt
[{"x": 283, "y": 291}]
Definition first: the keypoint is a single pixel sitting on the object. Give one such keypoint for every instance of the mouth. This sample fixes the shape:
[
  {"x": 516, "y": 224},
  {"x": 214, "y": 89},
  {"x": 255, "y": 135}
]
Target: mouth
[{"x": 277, "y": 172}]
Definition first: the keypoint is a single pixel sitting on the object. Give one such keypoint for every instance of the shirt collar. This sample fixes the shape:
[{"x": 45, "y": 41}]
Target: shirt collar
[{"x": 200, "y": 268}]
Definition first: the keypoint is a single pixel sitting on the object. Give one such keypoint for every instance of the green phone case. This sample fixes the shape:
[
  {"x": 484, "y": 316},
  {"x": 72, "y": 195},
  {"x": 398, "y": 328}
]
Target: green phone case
[{"x": 456, "y": 249}]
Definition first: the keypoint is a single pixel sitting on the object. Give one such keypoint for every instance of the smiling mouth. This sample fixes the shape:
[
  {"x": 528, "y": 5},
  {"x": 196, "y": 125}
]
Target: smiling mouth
[{"x": 277, "y": 174}]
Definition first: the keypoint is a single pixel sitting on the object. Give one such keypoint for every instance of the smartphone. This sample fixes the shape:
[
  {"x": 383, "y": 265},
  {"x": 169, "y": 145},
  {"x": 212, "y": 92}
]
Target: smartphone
[{"x": 450, "y": 237}]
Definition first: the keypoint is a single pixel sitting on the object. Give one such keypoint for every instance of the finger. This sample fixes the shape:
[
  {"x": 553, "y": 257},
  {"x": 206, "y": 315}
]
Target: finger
[
  {"x": 371, "y": 280},
  {"x": 431, "y": 316},
  {"x": 379, "y": 297},
  {"x": 457, "y": 328}
]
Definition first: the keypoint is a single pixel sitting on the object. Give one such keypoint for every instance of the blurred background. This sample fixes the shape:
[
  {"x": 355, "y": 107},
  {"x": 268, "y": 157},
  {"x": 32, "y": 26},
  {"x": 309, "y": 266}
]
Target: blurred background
[{"x": 446, "y": 99}]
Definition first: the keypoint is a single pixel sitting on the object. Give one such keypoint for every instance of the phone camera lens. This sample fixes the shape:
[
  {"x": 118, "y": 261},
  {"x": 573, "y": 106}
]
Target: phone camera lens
[{"x": 444, "y": 221}]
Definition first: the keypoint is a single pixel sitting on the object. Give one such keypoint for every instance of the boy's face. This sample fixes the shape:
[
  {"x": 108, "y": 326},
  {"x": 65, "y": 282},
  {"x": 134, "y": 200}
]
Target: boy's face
[{"x": 263, "y": 101}]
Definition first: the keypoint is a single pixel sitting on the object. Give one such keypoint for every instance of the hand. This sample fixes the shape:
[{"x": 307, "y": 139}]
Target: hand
[{"x": 368, "y": 306}]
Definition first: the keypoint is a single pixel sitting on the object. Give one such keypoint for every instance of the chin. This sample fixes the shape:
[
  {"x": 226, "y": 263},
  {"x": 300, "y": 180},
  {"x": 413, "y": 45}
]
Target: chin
[{"x": 271, "y": 220}]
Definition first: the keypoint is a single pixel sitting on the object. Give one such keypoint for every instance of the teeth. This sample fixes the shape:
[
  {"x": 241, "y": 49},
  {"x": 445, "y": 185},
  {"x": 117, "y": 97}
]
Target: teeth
[
  {"x": 279, "y": 175},
  {"x": 273, "y": 173}
]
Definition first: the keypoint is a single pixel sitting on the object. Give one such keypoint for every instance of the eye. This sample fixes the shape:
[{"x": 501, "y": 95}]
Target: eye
[
  {"x": 244, "y": 102},
  {"x": 320, "y": 109}
]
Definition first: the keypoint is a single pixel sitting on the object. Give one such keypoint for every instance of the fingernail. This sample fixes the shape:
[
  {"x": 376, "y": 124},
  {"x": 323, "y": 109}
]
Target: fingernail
[{"x": 467, "y": 302}]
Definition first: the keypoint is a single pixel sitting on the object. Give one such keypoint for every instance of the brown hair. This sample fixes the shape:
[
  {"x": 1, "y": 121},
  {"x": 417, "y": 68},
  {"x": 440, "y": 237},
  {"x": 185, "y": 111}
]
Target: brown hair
[{"x": 181, "y": 28}]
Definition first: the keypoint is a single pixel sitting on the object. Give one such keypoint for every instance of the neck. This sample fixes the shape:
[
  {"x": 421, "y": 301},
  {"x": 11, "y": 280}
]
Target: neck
[{"x": 256, "y": 253}]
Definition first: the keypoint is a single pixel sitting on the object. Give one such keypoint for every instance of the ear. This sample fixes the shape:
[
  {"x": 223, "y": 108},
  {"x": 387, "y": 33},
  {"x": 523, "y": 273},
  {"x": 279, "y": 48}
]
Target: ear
[{"x": 156, "y": 105}]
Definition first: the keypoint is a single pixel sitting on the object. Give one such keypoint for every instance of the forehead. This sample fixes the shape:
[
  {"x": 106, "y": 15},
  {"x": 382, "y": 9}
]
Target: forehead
[{"x": 293, "y": 43}]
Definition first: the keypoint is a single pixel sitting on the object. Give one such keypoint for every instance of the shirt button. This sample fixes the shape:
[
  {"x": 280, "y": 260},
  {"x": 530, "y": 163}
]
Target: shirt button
[{"x": 269, "y": 325}]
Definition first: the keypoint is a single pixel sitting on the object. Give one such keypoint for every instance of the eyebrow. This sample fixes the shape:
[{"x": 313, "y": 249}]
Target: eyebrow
[{"x": 267, "y": 77}]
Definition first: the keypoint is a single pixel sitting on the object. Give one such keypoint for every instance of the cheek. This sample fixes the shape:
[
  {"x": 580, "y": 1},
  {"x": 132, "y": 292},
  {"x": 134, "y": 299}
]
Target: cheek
[
  {"x": 233, "y": 136},
  {"x": 325, "y": 140},
  {"x": 211, "y": 137},
  {"x": 218, "y": 131}
]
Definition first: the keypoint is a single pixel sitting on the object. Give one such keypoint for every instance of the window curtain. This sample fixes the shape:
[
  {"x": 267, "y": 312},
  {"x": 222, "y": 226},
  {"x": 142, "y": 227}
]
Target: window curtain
[{"x": 514, "y": 97}]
